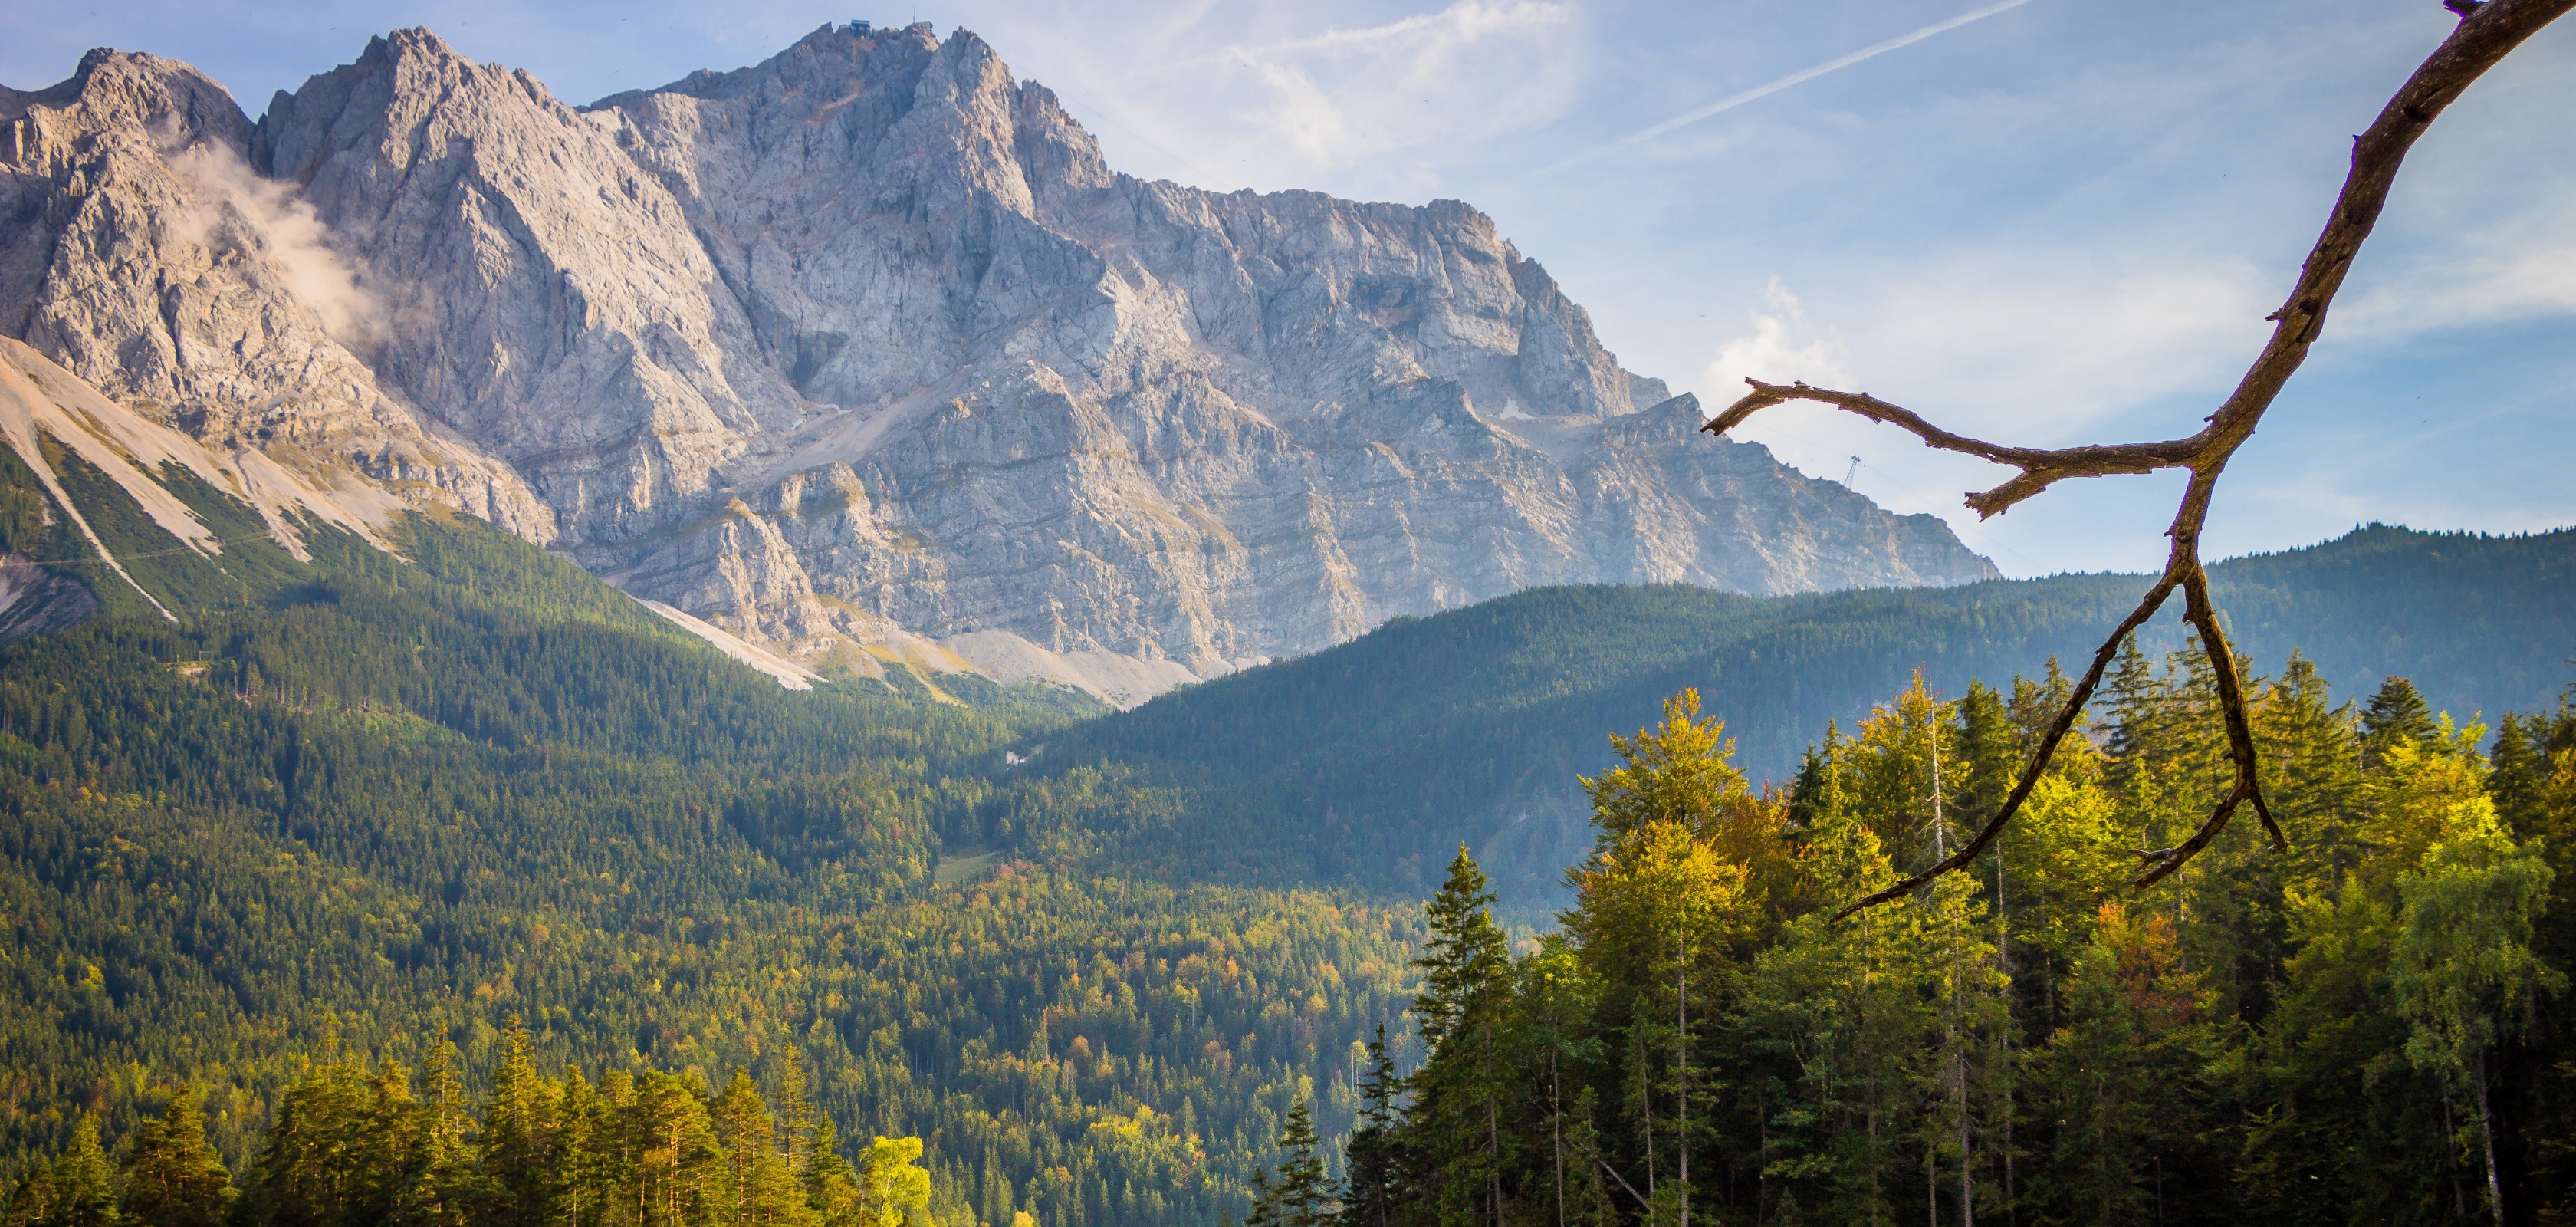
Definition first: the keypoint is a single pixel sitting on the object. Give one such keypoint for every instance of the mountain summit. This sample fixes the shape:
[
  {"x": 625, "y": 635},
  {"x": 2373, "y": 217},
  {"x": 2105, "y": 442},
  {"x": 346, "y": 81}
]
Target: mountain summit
[{"x": 867, "y": 347}]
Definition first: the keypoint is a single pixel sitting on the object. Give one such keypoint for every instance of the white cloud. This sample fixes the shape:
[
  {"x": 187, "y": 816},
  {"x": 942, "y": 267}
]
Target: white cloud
[
  {"x": 2517, "y": 267},
  {"x": 1370, "y": 110},
  {"x": 2043, "y": 346},
  {"x": 1782, "y": 348}
]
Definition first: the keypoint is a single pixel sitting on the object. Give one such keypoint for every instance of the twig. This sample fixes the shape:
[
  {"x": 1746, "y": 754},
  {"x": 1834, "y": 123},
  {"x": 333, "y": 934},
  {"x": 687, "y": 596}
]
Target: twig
[{"x": 2486, "y": 34}]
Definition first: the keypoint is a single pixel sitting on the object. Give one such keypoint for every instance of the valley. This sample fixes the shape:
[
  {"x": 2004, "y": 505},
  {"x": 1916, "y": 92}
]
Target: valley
[{"x": 793, "y": 649}]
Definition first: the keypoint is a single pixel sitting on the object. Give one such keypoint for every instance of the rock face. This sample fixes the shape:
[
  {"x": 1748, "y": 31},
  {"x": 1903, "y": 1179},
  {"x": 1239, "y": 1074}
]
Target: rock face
[
  {"x": 867, "y": 342},
  {"x": 143, "y": 256}
]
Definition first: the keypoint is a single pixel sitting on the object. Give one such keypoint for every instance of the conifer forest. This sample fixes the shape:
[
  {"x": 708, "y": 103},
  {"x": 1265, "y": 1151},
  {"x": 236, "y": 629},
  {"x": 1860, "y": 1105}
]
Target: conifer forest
[
  {"x": 829, "y": 644},
  {"x": 459, "y": 890}
]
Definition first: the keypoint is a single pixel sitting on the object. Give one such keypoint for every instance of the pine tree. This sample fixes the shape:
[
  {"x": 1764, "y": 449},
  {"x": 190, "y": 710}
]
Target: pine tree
[
  {"x": 2395, "y": 715},
  {"x": 1374, "y": 1160},
  {"x": 515, "y": 1149},
  {"x": 1990, "y": 756},
  {"x": 173, "y": 1177},
  {"x": 1301, "y": 1196},
  {"x": 1467, "y": 954},
  {"x": 84, "y": 1192}
]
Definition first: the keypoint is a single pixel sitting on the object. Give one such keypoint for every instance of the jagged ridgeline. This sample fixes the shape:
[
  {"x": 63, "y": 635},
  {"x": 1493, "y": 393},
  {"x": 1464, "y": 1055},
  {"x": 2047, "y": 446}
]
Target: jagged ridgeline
[
  {"x": 866, "y": 346},
  {"x": 394, "y": 780},
  {"x": 295, "y": 782}
]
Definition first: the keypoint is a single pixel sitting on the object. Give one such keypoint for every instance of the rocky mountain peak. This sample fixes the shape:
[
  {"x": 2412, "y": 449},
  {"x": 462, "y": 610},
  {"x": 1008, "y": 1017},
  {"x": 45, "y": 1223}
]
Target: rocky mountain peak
[{"x": 865, "y": 352}]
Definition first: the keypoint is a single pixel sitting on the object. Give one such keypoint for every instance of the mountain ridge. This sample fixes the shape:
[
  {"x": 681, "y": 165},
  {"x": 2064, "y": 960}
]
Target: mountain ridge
[
  {"x": 864, "y": 353},
  {"x": 1371, "y": 762}
]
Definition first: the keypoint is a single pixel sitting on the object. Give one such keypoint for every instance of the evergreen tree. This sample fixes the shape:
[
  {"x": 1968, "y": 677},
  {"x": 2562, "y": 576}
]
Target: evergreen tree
[
  {"x": 1459, "y": 1013},
  {"x": 2518, "y": 771},
  {"x": 2125, "y": 1078},
  {"x": 32, "y": 1202},
  {"x": 1299, "y": 1195},
  {"x": 1678, "y": 771},
  {"x": 1466, "y": 956},
  {"x": 588, "y": 1171},
  {"x": 1374, "y": 1162},
  {"x": 2396, "y": 715},
  {"x": 429, "y": 1144},
  {"x": 1990, "y": 755},
  {"x": 831, "y": 1184},
  {"x": 173, "y": 1177},
  {"x": 84, "y": 1186},
  {"x": 515, "y": 1157},
  {"x": 762, "y": 1188}
]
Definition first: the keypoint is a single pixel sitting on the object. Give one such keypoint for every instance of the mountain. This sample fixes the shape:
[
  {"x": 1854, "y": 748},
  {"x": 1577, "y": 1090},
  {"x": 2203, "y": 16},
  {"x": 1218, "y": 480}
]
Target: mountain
[
  {"x": 413, "y": 778},
  {"x": 292, "y": 767},
  {"x": 864, "y": 354},
  {"x": 1371, "y": 762}
]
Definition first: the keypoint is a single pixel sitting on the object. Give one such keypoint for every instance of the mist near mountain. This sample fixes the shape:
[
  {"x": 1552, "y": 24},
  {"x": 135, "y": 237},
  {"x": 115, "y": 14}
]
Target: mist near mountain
[{"x": 865, "y": 355}]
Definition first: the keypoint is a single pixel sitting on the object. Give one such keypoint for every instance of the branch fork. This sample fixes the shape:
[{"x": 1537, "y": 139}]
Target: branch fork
[{"x": 2488, "y": 31}]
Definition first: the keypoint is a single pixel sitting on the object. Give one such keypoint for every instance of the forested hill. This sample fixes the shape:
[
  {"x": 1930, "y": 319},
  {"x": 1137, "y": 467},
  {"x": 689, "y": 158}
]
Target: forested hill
[
  {"x": 1371, "y": 762},
  {"x": 379, "y": 802},
  {"x": 389, "y": 797}
]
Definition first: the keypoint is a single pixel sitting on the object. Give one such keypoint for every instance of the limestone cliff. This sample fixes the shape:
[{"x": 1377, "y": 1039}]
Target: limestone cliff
[{"x": 867, "y": 344}]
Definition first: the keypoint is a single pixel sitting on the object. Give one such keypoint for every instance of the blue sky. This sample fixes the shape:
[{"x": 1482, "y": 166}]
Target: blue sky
[{"x": 2061, "y": 222}]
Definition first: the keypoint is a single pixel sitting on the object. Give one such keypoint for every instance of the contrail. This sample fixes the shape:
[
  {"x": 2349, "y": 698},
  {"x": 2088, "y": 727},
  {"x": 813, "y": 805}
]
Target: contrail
[{"x": 1805, "y": 74}]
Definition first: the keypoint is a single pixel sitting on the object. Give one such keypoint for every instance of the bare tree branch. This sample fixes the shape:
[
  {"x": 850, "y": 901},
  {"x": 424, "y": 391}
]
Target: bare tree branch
[{"x": 2487, "y": 32}]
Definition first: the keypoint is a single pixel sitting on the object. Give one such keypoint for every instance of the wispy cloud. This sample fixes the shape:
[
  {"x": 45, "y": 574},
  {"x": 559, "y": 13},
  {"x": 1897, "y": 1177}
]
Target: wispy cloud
[
  {"x": 1466, "y": 72},
  {"x": 1732, "y": 101}
]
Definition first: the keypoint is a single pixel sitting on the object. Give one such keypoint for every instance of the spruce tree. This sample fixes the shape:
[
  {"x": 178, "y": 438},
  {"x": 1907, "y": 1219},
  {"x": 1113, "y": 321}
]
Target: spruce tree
[
  {"x": 78, "y": 1189},
  {"x": 2518, "y": 775},
  {"x": 84, "y": 1192},
  {"x": 2395, "y": 715},
  {"x": 1467, "y": 954},
  {"x": 31, "y": 1204},
  {"x": 831, "y": 1184},
  {"x": 1806, "y": 789},
  {"x": 585, "y": 1159},
  {"x": 443, "y": 1190},
  {"x": 2133, "y": 699},
  {"x": 1305, "y": 1193},
  {"x": 1466, "y": 973},
  {"x": 1374, "y": 1159},
  {"x": 515, "y": 1147},
  {"x": 174, "y": 1178}
]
